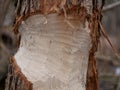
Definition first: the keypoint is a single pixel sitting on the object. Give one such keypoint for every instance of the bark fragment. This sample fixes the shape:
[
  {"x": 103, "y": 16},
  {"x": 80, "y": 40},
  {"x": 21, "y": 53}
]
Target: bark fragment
[{"x": 15, "y": 79}]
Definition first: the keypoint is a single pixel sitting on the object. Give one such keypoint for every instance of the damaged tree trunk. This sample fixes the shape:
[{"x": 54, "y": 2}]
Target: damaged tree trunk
[{"x": 58, "y": 41}]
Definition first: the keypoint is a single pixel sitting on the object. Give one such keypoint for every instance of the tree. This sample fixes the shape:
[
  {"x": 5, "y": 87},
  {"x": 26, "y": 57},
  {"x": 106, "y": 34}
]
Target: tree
[{"x": 58, "y": 41}]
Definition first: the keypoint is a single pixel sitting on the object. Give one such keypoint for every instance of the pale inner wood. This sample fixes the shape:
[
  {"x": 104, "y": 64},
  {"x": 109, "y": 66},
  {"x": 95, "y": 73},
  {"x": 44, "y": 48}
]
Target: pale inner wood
[{"x": 54, "y": 52}]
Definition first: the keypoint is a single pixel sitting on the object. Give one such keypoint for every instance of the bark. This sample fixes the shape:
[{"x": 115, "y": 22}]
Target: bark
[{"x": 58, "y": 42}]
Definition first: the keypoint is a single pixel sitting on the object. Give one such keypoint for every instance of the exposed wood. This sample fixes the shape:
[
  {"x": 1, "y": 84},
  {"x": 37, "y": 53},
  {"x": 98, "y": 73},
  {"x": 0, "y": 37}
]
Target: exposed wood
[{"x": 58, "y": 57}]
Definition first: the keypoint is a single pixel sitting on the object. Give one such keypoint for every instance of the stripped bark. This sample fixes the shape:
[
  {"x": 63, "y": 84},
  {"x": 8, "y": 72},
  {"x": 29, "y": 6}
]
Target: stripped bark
[{"x": 57, "y": 35}]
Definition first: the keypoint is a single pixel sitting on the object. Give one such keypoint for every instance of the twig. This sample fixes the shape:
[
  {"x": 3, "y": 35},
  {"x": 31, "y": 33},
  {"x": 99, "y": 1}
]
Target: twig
[
  {"x": 111, "y": 6},
  {"x": 106, "y": 37}
]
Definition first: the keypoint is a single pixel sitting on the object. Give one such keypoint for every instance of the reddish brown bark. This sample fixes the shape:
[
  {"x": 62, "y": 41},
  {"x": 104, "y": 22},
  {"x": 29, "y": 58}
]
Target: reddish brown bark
[
  {"x": 15, "y": 79},
  {"x": 92, "y": 74}
]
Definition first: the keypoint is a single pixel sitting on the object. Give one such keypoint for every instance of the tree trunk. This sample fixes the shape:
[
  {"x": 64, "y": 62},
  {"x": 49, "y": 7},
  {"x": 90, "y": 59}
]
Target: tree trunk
[{"x": 57, "y": 46}]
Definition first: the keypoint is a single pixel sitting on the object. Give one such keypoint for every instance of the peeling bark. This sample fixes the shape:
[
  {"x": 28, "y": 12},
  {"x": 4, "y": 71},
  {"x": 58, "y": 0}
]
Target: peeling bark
[{"x": 15, "y": 78}]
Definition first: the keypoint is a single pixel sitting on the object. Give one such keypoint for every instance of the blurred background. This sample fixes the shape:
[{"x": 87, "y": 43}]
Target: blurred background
[{"x": 107, "y": 63}]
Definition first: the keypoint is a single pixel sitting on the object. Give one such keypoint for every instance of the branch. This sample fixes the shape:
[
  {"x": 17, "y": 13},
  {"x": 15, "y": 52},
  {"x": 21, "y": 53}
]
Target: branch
[{"x": 108, "y": 7}]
